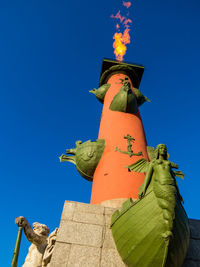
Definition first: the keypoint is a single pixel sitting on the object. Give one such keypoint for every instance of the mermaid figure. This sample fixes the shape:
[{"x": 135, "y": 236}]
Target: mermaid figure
[{"x": 160, "y": 178}]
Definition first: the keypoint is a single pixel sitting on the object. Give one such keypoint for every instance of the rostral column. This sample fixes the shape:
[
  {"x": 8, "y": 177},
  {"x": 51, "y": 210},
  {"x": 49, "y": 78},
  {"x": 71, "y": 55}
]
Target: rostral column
[{"x": 123, "y": 132}]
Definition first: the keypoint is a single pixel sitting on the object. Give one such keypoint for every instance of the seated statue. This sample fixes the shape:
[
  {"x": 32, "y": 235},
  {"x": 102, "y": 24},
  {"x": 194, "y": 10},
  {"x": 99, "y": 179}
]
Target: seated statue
[{"x": 41, "y": 249}]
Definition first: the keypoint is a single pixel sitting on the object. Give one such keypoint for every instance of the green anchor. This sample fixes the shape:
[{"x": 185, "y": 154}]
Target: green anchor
[{"x": 129, "y": 147}]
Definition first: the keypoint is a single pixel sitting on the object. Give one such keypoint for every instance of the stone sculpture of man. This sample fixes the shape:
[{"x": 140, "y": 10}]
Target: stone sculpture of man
[{"x": 41, "y": 249}]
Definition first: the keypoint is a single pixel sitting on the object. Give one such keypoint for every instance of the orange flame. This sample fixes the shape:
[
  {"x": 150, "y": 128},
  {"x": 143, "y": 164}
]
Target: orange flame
[
  {"x": 121, "y": 38},
  {"x": 127, "y": 4},
  {"x": 118, "y": 16},
  {"x": 120, "y": 44}
]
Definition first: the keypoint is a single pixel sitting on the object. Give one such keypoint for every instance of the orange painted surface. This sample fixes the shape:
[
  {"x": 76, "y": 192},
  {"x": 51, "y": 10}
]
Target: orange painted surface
[{"x": 111, "y": 179}]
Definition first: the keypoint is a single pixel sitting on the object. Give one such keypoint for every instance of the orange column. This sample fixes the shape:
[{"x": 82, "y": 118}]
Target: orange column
[{"x": 111, "y": 179}]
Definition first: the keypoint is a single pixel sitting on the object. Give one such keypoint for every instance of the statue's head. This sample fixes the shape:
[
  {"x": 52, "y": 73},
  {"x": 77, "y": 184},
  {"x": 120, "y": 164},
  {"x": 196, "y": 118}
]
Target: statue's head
[
  {"x": 161, "y": 149},
  {"x": 41, "y": 229}
]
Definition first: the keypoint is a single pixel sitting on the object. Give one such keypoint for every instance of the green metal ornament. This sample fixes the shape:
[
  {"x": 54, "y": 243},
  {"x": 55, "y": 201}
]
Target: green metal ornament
[
  {"x": 100, "y": 92},
  {"x": 141, "y": 99},
  {"x": 154, "y": 230},
  {"x": 129, "y": 151},
  {"x": 125, "y": 101},
  {"x": 86, "y": 157}
]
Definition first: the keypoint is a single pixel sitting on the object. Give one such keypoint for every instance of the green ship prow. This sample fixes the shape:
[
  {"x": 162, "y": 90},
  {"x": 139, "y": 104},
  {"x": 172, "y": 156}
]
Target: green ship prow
[{"x": 138, "y": 234}]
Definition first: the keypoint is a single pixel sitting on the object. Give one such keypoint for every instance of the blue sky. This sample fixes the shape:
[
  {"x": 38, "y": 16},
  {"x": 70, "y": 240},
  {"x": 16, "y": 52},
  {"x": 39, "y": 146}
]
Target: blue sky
[{"x": 50, "y": 57}]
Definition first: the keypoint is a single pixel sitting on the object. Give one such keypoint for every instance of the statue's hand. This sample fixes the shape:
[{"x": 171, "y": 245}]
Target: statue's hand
[{"x": 21, "y": 221}]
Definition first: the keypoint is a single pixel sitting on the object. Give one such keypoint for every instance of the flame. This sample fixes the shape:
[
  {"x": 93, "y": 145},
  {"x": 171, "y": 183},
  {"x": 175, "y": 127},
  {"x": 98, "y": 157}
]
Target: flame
[
  {"x": 127, "y": 4},
  {"x": 118, "y": 16},
  {"x": 127, "y": 21},
  {"x": 120, "y": 42},
  {"x": 122, "y": 38}
]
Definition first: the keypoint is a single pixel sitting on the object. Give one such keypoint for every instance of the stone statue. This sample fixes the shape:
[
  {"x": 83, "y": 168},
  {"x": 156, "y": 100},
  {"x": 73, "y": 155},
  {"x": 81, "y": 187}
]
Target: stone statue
[
  {"x": 42, "y": 246},
  {"x": 161, "y": 179}
]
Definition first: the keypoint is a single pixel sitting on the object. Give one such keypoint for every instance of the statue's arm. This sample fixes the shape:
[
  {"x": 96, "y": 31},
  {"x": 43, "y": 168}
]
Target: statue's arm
[
  {"x": 147, "y": 180},
  {"x": 173, "y": 165},
  {"x": 29, "y": 233}
]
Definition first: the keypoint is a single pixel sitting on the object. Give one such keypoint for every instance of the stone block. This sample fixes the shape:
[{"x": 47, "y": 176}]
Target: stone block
[
  {"x": 107, "y": 220},
  {"x": 194, "y": 250},
  {"x": 88, "y": 208},
  {"x": 84, "y": 256},
  {"x": 109, "y": 211},
  {"x": 191, "y": 263},
  {"x": 194, "y": 228},
  {"x": 80, "y": 233},
  {"x": 111, "y": 258},
  {"x": 60, "y": 255},
  {"x": 114, "y": 203},
  {"x": 90, "y": 218},
  {"x": 108, "y": 241},
  {"x": 68, "y": 210}
]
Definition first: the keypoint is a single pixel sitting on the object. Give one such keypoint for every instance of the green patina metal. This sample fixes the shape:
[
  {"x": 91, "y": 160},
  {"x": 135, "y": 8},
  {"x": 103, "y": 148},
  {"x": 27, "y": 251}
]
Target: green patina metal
[
  {"x": 86, "y": 157},
  {"x": 137, "y": 231},
  {"x": 129, "y": 147},
  {"x": 153, "y": 231},
  {"x": 141, "y": 99},
  {"x": 100, "y": 92},
  {"x": 17, "y": 247},
  {"x": 125, "y": 100}
]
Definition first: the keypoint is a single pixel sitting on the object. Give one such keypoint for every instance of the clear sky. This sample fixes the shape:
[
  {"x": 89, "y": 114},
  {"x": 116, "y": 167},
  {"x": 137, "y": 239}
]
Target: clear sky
[{"x": 50, "y": 57}]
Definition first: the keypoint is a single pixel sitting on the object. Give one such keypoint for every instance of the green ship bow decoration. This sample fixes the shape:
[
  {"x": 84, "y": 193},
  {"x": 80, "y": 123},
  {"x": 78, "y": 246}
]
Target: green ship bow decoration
[
  {"x": 86, "y": 157},
  {"x": 153, "y": 231},
  {"x": 127, "y": 101},
  {"x": 100, "y": 92}
]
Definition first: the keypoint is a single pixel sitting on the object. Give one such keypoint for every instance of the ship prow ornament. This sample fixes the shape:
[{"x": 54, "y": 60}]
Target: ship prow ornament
[
  {"x": 127, "y": 100},
  {"x": 100, "y": 92},
  {"x": 86, "y": 157},
  {"x": 154, "y": 230}
]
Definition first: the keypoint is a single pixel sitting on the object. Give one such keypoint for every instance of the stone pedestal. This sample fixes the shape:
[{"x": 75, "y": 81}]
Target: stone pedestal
[
  {"x": 85, "y": 240},
  {"x": 193, "y": 255}
]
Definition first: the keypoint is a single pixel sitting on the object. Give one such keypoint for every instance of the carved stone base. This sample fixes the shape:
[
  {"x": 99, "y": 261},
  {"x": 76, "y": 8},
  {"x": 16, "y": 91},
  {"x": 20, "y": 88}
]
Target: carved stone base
[{"x": 84, "y": 239}]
